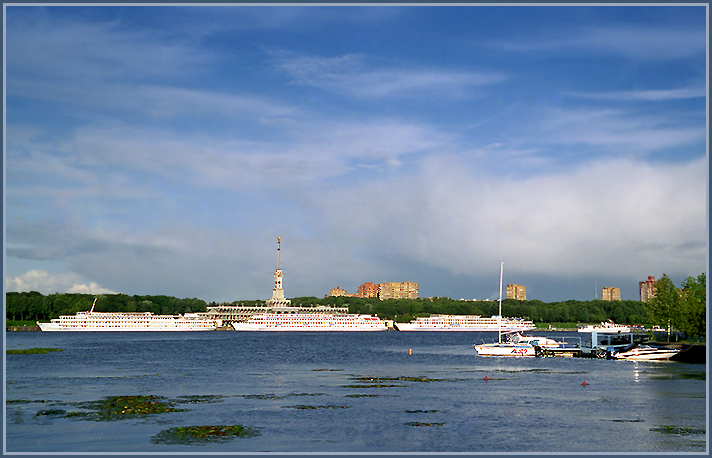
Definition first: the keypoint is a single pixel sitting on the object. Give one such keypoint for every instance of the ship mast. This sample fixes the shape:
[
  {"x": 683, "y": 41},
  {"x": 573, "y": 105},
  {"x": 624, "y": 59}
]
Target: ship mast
[{"x": 499, "y": 318}]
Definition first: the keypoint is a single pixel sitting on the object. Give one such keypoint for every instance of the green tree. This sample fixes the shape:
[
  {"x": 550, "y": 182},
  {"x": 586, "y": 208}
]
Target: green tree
[
  {"x": 664, "y": 307},
  {"x": 693, "y": 306}
]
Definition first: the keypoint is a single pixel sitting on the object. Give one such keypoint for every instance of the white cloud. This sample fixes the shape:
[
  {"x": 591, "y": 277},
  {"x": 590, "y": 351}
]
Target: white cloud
[
  {"x": 46, "y": 283},
  {"x": 81, "y": 51},
  {"x": 638, "y": 42},
  {"x": 621, "y": 217},
  {"x": 351, "y": 74},
  {"x": 650, "y": 95},
  {"x": 622, "y": 132}
]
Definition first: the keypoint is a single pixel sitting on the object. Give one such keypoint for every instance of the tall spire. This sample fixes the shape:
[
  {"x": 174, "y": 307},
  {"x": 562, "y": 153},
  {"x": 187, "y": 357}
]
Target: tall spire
[{"x": 278, "y": 299}]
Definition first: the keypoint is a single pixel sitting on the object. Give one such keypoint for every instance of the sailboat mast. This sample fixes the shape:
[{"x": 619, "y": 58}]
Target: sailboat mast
[{"x": 499, "y": 319}]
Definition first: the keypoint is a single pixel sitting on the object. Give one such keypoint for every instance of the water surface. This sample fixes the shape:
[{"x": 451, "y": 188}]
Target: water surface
[{"x": 309, "y": 392}]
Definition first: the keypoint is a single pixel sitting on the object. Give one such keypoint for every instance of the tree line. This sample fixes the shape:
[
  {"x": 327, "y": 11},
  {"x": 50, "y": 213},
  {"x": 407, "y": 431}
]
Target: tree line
[
  {"x": 34, "y": 306},
  {"x": 572, "y": 311},
  {"x": 683, "y": 308}
]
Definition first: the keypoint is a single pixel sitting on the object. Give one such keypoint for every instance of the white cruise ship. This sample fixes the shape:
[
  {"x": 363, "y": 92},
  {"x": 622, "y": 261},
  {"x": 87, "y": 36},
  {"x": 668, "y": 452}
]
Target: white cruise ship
[
  {"x": 466, "y": 323},
  {"x": 128, "y": 321},
  {"x": 607, "y": 327},
  {"x": 310, "y": 322}
]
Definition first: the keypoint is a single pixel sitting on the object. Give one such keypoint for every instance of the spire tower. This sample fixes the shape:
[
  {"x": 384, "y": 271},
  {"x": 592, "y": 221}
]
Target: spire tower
[{"x": 278, "y": 299}]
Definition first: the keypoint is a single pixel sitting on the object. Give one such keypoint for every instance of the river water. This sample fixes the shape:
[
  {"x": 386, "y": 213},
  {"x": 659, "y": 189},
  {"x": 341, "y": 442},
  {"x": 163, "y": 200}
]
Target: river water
[{"x": 311, "y": 392}]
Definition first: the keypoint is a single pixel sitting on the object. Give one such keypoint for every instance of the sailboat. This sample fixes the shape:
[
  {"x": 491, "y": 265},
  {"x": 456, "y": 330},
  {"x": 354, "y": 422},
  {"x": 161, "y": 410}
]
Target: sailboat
[{"x": 500, "y": 348}]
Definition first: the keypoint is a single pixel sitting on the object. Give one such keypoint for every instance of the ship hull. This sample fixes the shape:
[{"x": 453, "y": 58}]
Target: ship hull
[{"x": 505, "y": 350}]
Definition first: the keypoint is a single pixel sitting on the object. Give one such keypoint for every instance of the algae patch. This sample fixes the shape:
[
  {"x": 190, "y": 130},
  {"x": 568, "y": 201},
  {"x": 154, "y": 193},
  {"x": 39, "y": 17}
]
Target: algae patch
[
  {"x": 306, "y": 407},
  {"x": 187, "y": 435},
  {"x": 417, "y": 423},
  {"x": 121, "y": 407},
  {"x": 32, "y": 351},
  {"x": 400, "y": 379},
  {"x": 667, "y": 429}
]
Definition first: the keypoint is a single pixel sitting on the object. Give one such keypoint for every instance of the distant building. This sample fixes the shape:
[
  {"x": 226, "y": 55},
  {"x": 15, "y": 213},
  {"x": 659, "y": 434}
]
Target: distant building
[
  {"x": 395, "y": 290},
  {"x": 609, "y": 293},
  {"x": 339, "y": 292},
  {"x": 517, "y": 292},
  {"x": 368, "y": 289},
  {"x": 647, "y": 289}
]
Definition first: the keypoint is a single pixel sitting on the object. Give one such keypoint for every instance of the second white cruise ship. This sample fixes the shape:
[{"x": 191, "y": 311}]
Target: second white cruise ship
[
  {"x": 466, "y": 323},
  {"x": 310, "y": 322}
]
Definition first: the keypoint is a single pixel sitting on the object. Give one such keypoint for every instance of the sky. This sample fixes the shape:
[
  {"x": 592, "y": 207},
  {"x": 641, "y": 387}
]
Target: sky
[{"x": 161, "y": 150}]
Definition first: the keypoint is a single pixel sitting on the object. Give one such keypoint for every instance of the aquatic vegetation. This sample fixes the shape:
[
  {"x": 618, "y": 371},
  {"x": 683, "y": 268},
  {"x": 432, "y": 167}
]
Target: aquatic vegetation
[
  {"x": 420, "y": 411},
  {"x": 196, "y": 398},
  {"x": 32, "y": 351},
  {"x": 373, "y": 386},
  {"x": 51, "y": 413},
  {"x": 404, "y": 379},
  {"x": 329, "y": 370},
  {"x": 274, "y": 396},
  {"x": 120, "y": 407},
  {"x": 370, "y": 395},
  {"x": 187, "y": 435},
  {"x": 305, "y": 407},
  {"x": 683, "y": 376},
  {"x": 26, "y": 401},
  {"x": 667, "y": 429},
  {"x": 629, "y": 421},
  {"x": 417, "y": 423}
]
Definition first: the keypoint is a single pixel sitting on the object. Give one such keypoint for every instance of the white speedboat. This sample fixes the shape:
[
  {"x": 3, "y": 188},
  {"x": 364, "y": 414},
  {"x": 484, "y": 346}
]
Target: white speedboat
[
  {"x": 508, "y": 348},
  {"x": 607, "y": 327},
  {"x": 466, "y": 323},
  {"x": 536, "y": 341},
  {"x": 310, "y": 322},
  {"x": 645, "y": 353},
  {"x": 128, "y": 321},
  {"x": 505, "y": 349}
]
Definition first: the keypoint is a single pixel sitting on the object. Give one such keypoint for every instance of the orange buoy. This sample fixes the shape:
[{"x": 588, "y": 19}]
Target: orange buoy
[
  {"x": 584, "y": 383},
  {"x": 410, "y": 351},
  {"x": 486, "y": 378}
]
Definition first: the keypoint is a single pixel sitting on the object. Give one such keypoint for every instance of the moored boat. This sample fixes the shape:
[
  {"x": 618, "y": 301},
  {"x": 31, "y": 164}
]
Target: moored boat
[
  {"x": 637, "y": 352},
  {"x": 607, "y": 327},
  {"x": 466, "y": 323},
  {"x": 128, "y": 321},
  {"x": 505, "y": 349},
  {"x": 310, "y": 322},
  {"x": 508, "y": 348}
]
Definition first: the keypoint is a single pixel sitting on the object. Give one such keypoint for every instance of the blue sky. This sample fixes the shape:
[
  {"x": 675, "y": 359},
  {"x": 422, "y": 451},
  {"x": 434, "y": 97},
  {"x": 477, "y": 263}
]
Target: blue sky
[{"x": 162, "y": 150}]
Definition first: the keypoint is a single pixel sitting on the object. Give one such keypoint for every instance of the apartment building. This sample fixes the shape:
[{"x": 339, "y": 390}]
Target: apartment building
[
  {"x": 335, "y": 292},
  {"x": 368, "y": 289},
  {"x": 647, "y": 289},
  {"x": 608, "y": 293},
  {"x": 517, "y": 292},
  {"x": 396, "y": 290}
]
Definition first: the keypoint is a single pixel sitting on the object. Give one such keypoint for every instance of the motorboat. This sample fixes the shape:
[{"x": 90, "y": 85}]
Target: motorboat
[{"x": 636, "y": 352}]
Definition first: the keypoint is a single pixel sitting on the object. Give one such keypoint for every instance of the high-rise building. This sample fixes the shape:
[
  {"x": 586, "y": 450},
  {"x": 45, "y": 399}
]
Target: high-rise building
[
  {"x": 608, "y": 293},
  {"x": 517, "y": 292},
  {"x": 647, "y": 289},
  {"x": 368, "y": 289},
  {"x": 396, "y": 290}
]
